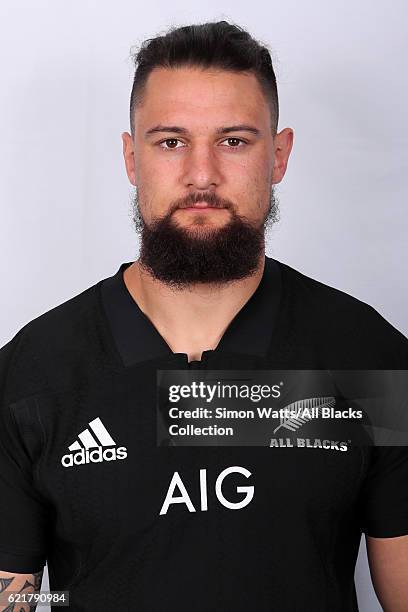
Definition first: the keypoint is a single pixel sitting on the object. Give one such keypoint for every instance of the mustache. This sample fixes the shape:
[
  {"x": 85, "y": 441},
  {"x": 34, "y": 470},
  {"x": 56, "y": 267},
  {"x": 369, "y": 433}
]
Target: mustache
[{"x": 210, "y": 198}]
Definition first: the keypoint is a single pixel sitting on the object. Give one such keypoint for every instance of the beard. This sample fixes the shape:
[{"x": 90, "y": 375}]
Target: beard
[{"x": 182, "y": 256}]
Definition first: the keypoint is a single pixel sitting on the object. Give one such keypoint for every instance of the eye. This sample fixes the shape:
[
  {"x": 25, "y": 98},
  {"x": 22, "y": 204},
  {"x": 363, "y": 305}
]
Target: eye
[
  {"x": 171, "y": 143},
  {"x": 234, "y": 143}
]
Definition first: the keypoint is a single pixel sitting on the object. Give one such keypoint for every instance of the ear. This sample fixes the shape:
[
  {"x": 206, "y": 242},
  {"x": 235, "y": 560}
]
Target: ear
[
  {"x": 129, "y": 157},
  {"x": 283, "y": 143}
]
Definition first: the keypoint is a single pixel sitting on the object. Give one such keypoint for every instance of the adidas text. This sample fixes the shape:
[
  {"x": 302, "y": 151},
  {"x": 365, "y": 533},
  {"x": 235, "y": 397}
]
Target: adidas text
[{"x": 94, "y": 456}]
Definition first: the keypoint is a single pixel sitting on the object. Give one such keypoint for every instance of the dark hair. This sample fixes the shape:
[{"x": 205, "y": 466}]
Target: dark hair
[{"x": 208, "y": 45}]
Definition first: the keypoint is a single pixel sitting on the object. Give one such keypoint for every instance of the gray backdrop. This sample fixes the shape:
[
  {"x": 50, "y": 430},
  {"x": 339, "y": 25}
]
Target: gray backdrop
[{"x": 65, "y": 197}]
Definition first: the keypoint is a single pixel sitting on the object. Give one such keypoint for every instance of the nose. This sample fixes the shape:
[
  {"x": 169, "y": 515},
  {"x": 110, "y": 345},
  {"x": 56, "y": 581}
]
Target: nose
[{"x": 201, "y": 169}]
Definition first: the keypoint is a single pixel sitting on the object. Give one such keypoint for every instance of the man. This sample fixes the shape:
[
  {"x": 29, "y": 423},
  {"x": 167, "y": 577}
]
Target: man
[{"x": 138, "y": 525}]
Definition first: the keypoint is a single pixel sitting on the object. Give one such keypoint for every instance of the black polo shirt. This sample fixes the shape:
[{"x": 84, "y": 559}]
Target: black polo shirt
[{"x": 83, "y": 481}]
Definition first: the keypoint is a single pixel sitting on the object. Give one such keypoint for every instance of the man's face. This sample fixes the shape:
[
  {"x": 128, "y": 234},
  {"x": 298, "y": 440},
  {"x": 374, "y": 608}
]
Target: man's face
[{"x": 204, "y": 162}]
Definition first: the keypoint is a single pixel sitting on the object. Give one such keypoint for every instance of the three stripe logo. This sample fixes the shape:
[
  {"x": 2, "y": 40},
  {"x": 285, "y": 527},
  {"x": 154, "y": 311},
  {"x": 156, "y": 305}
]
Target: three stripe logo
[
  {"x": 96, "y": 445},
  {"x": 88, "y": 439}
]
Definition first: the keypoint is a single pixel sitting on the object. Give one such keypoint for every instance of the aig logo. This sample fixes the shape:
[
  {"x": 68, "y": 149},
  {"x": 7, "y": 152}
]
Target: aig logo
[{"x": 184, "y": 498}]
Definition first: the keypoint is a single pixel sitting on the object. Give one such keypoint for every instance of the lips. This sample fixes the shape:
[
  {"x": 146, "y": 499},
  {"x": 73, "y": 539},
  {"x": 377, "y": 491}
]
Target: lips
[{"x": 199, "y": 205}]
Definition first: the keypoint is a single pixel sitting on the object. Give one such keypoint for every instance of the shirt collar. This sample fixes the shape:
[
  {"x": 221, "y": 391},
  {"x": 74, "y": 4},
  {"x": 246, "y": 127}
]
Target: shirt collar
[{"x": 137, "y": 339}]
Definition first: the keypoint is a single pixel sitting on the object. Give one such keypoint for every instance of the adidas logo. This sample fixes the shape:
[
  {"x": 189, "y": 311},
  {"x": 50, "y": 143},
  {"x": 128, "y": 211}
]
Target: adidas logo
[{"x": 97, "y": 440}]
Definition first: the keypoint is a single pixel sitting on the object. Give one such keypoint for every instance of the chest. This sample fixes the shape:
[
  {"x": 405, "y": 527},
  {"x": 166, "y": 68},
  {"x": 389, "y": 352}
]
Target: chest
[{"x": 104, "y": 470}]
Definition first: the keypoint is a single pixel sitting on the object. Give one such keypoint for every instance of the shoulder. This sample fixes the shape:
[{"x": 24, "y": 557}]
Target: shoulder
[
  {"x": 39, "y": 356},
  {"x": 341, "y": 322}
]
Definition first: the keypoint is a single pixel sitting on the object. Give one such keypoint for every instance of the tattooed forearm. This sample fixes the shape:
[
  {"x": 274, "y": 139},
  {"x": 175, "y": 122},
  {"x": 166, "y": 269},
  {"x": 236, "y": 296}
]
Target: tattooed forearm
[{"x": 19, "y": 583}]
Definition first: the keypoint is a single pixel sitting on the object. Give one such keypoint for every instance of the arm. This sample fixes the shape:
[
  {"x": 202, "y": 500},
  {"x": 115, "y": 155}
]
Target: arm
[
  {"x": 388, "y": 561},
  {"x": 22, "y": 583}
]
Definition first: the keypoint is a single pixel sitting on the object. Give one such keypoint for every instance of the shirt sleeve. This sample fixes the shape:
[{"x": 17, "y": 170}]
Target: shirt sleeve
[
  {"x": 24, "y": 514},
  {"x": 383, "y": 497}
]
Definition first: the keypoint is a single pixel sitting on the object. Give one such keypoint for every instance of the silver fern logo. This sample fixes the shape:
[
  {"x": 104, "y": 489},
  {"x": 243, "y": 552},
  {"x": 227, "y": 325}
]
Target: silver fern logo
[{"x": 302, "y": 411}]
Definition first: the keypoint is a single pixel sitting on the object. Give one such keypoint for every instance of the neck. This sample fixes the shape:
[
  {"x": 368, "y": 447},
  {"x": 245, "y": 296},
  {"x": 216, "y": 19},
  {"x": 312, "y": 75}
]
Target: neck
[{"x": 193, "y": 319}]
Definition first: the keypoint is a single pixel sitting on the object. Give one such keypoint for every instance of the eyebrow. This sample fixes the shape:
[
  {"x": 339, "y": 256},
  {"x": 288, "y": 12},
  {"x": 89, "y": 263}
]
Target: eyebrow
[{"x": 175, "y": 129}]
